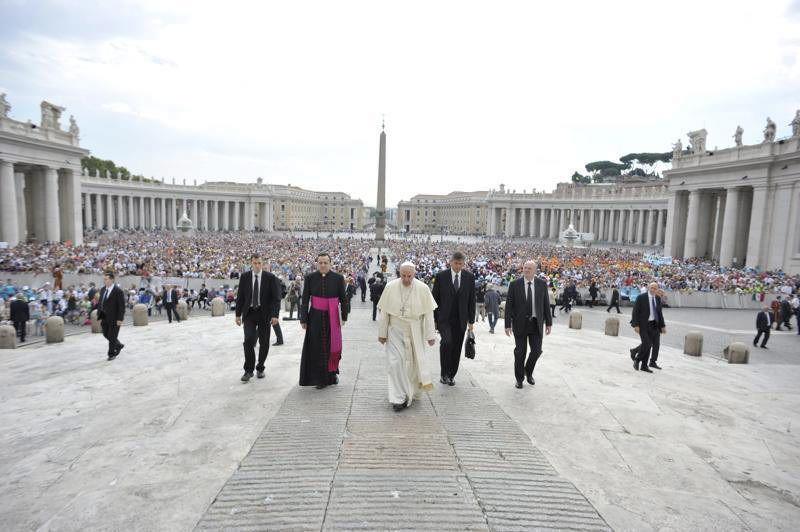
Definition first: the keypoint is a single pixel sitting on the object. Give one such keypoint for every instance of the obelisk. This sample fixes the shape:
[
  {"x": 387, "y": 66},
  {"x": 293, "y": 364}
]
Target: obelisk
[{"x": 380, "y": 211}]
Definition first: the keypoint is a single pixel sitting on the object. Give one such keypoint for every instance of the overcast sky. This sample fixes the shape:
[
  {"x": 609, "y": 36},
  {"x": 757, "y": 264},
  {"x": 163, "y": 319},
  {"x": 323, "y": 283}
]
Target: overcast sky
[{"x": 474, "y": 94}]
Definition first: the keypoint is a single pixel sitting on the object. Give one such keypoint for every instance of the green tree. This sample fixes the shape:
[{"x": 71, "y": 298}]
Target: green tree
[
  {"x": 577, "y": 177},
  {"x": 645, "y": 162}
]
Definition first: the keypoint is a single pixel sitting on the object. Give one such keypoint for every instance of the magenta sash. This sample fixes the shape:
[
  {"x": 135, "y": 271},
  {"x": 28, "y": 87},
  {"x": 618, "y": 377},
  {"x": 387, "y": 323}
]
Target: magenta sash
[{"x": 331, "y": 306}]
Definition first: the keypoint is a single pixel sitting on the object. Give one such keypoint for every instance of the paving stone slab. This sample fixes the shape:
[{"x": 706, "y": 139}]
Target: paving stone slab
[{"x": 342, "y": 459}]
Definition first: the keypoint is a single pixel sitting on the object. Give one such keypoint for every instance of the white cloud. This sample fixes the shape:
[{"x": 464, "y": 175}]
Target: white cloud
[{"x": 474, "y": 93}]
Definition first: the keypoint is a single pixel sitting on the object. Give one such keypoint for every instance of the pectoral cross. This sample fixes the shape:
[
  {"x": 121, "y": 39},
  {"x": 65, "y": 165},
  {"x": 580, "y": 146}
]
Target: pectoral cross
[{"x": 403, "y": 311}]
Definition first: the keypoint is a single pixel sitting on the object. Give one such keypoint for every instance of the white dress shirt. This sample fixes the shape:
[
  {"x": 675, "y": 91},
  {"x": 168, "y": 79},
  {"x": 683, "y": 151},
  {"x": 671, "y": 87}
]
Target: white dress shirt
[
  {"x": 531, "y": 303},
  {"x": 652, "y": 303},
  {"x": 253, "y": 302}
]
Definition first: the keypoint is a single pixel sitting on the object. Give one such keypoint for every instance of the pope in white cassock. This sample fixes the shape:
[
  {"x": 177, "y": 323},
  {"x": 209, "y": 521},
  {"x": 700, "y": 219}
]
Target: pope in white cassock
[{"x": 406, "y": 324}]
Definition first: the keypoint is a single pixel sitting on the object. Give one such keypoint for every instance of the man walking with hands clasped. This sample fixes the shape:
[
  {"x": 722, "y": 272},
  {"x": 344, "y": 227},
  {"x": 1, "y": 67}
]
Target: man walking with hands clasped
[
  {"x": 648, "y": 321},
  {"x": 527, "y": 315},
  {"x": 111, "y": 312},
  {"x": 257, "y": 305}
]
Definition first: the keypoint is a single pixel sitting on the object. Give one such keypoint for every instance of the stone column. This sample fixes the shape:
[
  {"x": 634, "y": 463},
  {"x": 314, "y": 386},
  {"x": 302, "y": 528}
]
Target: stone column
[
  {"x": 87, "y": 211},
  {"x": 659, "y": 228},
  {"x": 22, "y": 214},
  {"x": 152, "y": 212},
  {"x": 9, "y": 215},
  {"x": 757, "y": 216},
  {"x": 641, "y": 227},
  {"x": 729, "y": 225},
  {"x": 131, "y": 221},
  {"x": 235, "y": 224},
  {"x": 629, "y": 226},
  {"x": 52, "y": 217},
  {"x": 225, "y": 217},
  {"x": 98, "y": 205},
  {"x": 562, "y": 226},
  {"x": 214, "y": 215},
  {"x": 142, "y": 223},
  {"x": 163, "y": 208},
  {"x": 553, "y": 222},
  {"x": 692, "y": 229},
  {"x": 248, "y": 213},
  {"x": 621, "y": 226},
  {"x": 72, "y": 208}
]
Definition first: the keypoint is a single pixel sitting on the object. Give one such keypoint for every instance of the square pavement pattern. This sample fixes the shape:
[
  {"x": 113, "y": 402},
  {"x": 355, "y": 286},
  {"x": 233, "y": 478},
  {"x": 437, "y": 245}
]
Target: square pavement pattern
[{"x": 340, "y": 458}]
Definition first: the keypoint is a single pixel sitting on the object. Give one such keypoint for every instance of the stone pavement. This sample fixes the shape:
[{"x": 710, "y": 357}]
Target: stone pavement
[
  {"x": 340, "y": 458},
  {"x": 719, "y": 328},
  {"x": 167, "y": 438}
]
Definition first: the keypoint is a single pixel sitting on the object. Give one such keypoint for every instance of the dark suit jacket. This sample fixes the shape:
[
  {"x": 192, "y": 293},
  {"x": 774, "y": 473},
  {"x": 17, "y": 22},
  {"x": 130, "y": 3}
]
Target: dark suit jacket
[
  {"x": 641, "y": 311},
  {"x": 269, "y": 292},
  {"x": 763, "y": 321},
  {"x": 614, "y": 297},
  {"x": 112, "y": 309},
  {"x": 173, "y": 296},
  {"x": 446, "y": 297},
  {"x": 19, "y": 311},
  {"x": 517, "y": 309}
]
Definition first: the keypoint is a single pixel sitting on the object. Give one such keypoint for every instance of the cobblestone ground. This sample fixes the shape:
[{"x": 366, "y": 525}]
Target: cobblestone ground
[
  {"x": 719, "y": 327},
  {"x": 341, "y": 458}
]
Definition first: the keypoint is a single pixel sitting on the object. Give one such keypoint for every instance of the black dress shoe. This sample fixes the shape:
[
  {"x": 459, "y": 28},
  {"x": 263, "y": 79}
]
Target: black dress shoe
[
  {"x": 654, "y": 365},
  {"x": 112, "y": 356},
  {"x": 633, "y": 354},
  {"x": 636, "y": 365},
  {"x": 646, "y": 369},
  {"x": 443, "y": 380},
  {"x": 451, "y": 381},
  {"x": 247, "y": 376},
  {"x": 518, "y": 384},
  {"x": 278, "y": 343},
  {"x": 399, "y": 407},
  {"x": 260, "y": 374},
  {"x": 530, "y": 379}
]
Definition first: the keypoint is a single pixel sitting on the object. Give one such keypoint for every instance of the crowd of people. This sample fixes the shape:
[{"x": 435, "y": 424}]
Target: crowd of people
[
  {"x": 572, "y": 274},
  {"x": 498, "y": 262}
]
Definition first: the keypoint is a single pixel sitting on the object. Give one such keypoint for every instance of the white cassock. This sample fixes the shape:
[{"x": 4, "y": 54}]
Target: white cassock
[{"x": 407, "y": 323}]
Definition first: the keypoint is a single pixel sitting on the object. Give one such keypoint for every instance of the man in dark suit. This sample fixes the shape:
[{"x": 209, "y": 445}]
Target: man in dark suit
[
  {"x": 20, "y": 314},
  {"x": 648, "y": 321},
  {"x": 614, "y": 301},
  {"x": 527, "y": 313},
  {"x": 454, "y": 292},
  {"x": 257, "y": 304},
  {"x": 111, "y": 311},
  {"x": 376, "y": 286},
  {"x": 786, "y": 313},
  {"x": 763, "y": 326},
  {"x": 170, "y": 299}
]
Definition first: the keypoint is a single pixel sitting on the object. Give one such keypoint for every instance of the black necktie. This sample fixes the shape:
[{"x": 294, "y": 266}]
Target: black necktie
[
  {"x": 455, "y": 283},
  {"x": 530, "y": 300},
  {"x": 255, "y": 293}
]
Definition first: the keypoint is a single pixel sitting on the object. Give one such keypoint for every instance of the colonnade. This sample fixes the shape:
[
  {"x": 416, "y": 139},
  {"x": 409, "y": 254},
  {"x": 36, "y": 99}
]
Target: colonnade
[
  {"x": 723, "y": 224},
  {"x": 40, "y": 202},
  {"x": 113, "y": 211},
  {"x": 644, "y": 226}
]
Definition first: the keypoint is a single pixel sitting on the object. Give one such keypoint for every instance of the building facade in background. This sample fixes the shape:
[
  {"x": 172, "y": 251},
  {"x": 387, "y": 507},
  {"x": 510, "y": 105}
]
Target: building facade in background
[
  {"x": 45, "y": 196},
  {"x": 739, "y": 206}
]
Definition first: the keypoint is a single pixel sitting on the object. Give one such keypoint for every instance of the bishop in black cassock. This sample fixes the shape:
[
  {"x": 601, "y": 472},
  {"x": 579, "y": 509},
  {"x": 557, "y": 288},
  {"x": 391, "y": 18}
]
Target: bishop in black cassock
[{"x": 323, "y": 309}]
